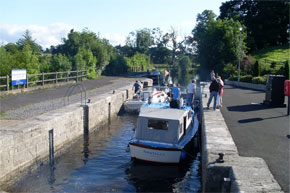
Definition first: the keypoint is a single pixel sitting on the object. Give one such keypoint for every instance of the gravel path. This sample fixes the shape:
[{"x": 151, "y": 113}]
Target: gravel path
[{"x": 27, "y": 105}]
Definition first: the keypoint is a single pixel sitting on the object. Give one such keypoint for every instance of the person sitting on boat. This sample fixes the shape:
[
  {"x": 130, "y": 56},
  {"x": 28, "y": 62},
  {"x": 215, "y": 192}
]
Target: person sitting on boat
[{"x": 136, "y": 86}]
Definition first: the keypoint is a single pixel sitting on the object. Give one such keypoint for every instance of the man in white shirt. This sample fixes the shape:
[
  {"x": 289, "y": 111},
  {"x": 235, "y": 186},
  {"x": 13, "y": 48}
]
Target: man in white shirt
[{"x": 190, "y": 91}]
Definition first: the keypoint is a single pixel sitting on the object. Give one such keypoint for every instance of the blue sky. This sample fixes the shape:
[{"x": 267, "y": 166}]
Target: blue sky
[{"x": 50, "y": 20}]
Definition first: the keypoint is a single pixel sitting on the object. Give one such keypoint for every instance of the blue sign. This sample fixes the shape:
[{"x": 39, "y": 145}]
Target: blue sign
[{"x": 18, "y": 76}]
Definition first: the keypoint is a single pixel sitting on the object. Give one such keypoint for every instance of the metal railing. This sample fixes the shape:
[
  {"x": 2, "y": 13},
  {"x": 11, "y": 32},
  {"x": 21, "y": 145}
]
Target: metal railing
[{"x": 42, "y": 79}]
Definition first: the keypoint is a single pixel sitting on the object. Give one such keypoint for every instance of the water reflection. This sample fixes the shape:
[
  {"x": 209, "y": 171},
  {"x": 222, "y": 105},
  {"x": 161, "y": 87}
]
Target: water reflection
[{"x": 99, "y": 163}]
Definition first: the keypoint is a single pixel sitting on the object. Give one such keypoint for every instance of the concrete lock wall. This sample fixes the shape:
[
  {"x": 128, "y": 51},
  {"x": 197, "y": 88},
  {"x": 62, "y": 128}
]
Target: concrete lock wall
[
  {"x": 236, "y": 173},
  {"x": 27, "y": 143}
]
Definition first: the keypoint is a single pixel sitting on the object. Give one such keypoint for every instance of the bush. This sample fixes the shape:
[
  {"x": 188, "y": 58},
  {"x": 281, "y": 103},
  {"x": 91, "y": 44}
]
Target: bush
[
  {"x": 259, "y": 80},
  {"x": 286, "y": 72},
  {"x": 246, "y": 78},
  {"x": 233, "y": 78},
  {"x": 257, "y": 69}
]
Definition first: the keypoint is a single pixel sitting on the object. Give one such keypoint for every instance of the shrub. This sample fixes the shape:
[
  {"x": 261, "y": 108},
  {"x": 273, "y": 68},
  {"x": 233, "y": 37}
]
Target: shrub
[
  {"x": 246, "y": 78},
  {"x": 259, "y": 80},
  {"x": 233, "y": 78},
  {"x": 257, "y": 69},
  {"x": 286, "y": 72}
]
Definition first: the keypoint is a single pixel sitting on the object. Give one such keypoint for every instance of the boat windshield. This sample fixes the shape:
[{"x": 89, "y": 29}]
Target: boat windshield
[{"x": 157, "y": 124}]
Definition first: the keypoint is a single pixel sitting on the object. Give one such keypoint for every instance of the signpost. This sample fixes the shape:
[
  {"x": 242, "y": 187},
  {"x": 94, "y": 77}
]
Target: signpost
[{"x": 18, "y": 76}]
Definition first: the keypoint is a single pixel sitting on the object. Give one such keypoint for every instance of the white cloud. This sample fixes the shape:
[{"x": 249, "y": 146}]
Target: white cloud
[
  {"x": 43, "y": 35},
  {"x": 115, "y": 39}
]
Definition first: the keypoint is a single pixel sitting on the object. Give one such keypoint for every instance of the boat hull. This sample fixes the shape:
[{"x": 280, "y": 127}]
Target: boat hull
[
  {"x": 133, "y": 106},
  {"x": 155, "y": 154}
]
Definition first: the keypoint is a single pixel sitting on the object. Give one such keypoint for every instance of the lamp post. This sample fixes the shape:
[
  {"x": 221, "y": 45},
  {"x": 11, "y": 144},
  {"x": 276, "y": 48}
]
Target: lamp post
[{"x": 240, "y": 54}]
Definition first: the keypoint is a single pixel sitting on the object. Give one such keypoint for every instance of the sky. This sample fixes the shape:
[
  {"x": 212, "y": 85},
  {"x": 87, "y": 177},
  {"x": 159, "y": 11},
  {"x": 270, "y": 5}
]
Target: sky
[{"x": 49, "y": 21}]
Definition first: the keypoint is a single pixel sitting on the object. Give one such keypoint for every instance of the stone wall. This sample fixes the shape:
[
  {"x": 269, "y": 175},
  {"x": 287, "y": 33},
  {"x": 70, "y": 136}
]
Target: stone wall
[{"x": 260, "y": 87}]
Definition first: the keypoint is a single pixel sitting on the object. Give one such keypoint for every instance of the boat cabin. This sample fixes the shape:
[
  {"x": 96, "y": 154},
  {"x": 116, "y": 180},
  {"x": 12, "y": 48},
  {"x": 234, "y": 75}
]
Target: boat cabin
[{"x": 165, "y": 125}]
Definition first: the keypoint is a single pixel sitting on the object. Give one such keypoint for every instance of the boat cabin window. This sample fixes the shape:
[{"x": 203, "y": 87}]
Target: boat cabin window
[{"x": 157, "y": 124}]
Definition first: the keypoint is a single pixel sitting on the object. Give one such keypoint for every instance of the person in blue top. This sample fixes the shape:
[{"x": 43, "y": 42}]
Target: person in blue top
[
  {"x": 136, "y": 86},
  {"x": 174, "y": 96}
]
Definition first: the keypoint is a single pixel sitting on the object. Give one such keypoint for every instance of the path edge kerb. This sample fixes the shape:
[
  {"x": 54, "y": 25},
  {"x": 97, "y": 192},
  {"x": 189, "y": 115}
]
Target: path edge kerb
[{"x": 236, "y": 173}]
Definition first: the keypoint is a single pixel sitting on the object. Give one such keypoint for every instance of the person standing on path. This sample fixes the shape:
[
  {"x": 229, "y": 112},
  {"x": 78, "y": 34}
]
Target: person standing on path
[
  {"x": 220, "y": 92},
  {"x": 190, "y": 91},
  {"x": 213, "y": 89}
]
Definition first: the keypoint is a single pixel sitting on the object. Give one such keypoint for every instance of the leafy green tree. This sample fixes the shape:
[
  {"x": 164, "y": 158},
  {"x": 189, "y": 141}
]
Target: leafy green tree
[
  {"x": 184, "y": 65},
  {"x": 216, "y": 42},
  {"x": 141, "y": 40},
  {"x": 175, "y": 73},
  {"x": 27, "y": 40},
  {"x": 116, "y": 67},
  {"x": 85, "y": 59},
  {"x": 7, "y": 62},
  {"x": 60, "y": 63},
  {"x": 267, "y": 21},
  {"x": 139, "y": 62},
  {"x": 28, "y": 60},
  {"x": 160, "y": 54}
]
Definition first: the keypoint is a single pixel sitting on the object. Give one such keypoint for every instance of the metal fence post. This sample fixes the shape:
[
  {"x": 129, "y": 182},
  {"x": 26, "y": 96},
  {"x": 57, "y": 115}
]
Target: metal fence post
[
  {"x": 7, "y": 82},
  {"x": 42, "y": 78},
  {"x": 26, "y": 80}
]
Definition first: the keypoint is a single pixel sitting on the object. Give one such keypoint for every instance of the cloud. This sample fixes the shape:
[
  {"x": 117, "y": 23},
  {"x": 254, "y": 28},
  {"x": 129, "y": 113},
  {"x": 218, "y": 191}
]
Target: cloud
[
  {"x": 115, "y": 39},
  {"x": 43, "y": 35}
]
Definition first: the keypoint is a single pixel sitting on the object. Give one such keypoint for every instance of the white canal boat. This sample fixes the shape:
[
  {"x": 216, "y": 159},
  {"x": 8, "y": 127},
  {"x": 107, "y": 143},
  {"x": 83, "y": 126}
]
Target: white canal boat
[
  {"x": 143, "y": 97},
  {"x": 163, "y": 134}
]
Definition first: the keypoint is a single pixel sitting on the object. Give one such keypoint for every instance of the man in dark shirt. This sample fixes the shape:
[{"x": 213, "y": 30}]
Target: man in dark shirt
[
  {"x": 136, "y": 86},
  {"x": 213, "y": 89}
]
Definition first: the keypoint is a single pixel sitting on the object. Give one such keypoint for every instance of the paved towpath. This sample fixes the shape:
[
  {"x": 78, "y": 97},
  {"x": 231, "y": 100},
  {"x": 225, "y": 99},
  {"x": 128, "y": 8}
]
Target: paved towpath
[
  {"x": 258, "y": 130},
  {"x": 25, "y": 105}
]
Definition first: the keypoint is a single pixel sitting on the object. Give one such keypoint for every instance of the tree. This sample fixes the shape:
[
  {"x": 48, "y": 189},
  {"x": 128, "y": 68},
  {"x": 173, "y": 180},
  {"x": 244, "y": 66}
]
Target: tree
[
  {"x": 60, "y": 63},
  {"x": 141, "y": 40},
  {"x": 267, "y": 21},
  {"x": 216, "y": 42},
  {"x": 28, "y": 60},
  {"x": 170, "y": 40},
  {"x": 79, "y": 46},
  {"x": 184, "y": 65},
  {"x": 117, "y": 66},
  {"x": 27, "y": 40},
  {"x": 139, "y": 62},
  {"x": 7, "y": 62},
  {"x": 85, "y": 60}
]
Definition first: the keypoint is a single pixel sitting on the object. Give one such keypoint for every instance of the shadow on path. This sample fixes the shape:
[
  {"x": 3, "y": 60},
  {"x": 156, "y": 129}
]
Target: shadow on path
[{"x": 259, "y": 119}]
